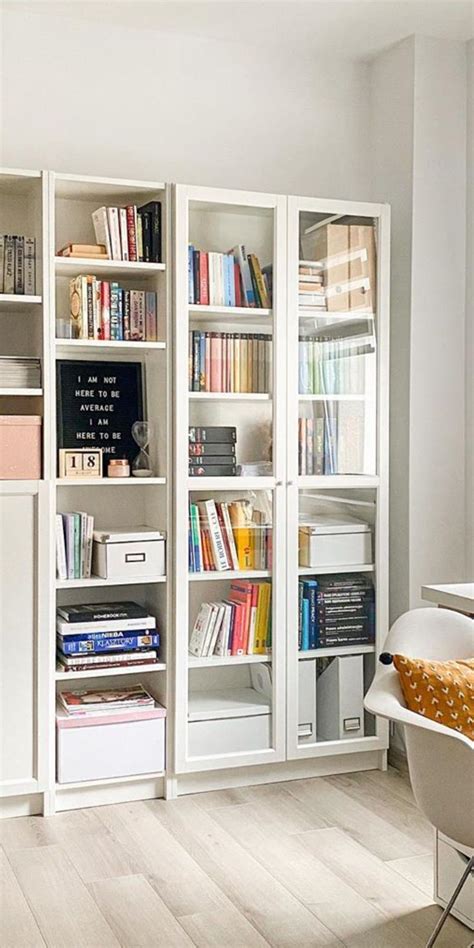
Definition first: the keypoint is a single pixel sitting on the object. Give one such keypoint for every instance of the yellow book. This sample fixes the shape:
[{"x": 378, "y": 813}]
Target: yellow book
[
  {"x": 242, "y": 531},
  {"x": 259, "y": 646}
]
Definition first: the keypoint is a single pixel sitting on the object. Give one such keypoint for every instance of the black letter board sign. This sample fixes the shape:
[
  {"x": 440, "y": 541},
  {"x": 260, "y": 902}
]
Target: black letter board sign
[{"x": 98, "y": 403}]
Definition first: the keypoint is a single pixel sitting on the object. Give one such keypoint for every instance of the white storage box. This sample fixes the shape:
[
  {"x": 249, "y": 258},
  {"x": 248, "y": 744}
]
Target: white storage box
[
  {"x": 128, "y": 553},
  {"x": 231, "y": 721},
  {"x": 119, "y": 745},
  {"x": 335, "y": 541},
  {"x": 339, "y": 699}
]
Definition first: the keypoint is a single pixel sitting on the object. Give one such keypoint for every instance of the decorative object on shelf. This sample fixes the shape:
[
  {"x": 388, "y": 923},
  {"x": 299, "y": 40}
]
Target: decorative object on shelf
[
  {"x": 142, "y": 432},
  {"x": 20, "y": 447},
  {"x": 129, "y": 553},
  {"x": 97, "y": 404},
  {"x": 118, "y": 467},
  {"x": 80, "y": 462}
]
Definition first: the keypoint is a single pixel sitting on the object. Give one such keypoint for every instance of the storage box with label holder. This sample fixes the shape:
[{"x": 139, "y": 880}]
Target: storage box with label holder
[
  {"x": 129, "y": 553},
  {"x": 97, "y": 748},
  {"x": 334, "y": 541}
]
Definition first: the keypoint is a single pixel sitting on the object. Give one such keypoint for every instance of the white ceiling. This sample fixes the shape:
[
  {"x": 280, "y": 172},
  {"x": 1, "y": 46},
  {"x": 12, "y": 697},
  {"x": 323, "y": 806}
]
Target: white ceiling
[{"x": 355, "y": 29}]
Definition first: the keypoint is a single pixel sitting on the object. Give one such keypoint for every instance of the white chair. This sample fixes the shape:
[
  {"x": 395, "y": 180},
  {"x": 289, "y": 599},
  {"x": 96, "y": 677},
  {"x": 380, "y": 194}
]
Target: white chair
[{"x": 440, "y": 759}]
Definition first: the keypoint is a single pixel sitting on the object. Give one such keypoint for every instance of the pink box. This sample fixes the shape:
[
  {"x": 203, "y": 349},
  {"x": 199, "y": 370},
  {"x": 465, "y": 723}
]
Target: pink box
[{"x": 20, "y": 447}]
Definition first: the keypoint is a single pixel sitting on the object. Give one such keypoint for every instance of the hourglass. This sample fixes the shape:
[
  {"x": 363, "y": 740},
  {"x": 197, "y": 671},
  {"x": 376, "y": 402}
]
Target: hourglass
[{"x": 141, "y": 433}]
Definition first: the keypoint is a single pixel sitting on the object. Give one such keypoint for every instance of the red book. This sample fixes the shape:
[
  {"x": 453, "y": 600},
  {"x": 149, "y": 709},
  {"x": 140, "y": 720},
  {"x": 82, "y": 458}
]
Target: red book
[
  {"x": 104, "y": 310},
  {"x": 132, "y": 231},
  {"x": 241, "y": 593},
  {"x": 238, "y": 290},
  {"x": 203, "y": 278}
]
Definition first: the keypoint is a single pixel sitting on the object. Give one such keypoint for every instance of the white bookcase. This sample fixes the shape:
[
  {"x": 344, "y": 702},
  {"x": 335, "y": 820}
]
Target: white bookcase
[{"x": 243, "y": 737}]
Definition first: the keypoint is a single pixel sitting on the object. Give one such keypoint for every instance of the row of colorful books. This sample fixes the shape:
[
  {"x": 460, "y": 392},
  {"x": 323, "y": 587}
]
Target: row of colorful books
[
  {"x": 336, "y": 610},
  {"x": 229, "y": 362},
  {"x": 17, "y": 264},
  {"x": 317, "y": 445},
  {"x": 130, "y": 233},
  {"x": 332, "y": 366},
  {"x": 105, "y": 635},
  {"x": 234, "y": 278},
  {"x": 212, "y": 451},
  {"x": 239, "y": 625},
  {"x": 107, "y": 311},
  {"x": 234, "y": 535},
  {"x": 99, "y": 702},
  {"x": 74, "y": 540}
]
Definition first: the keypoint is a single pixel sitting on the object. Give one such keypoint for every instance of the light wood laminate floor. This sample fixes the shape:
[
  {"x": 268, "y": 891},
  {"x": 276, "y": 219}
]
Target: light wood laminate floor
[{"x": 336, "y": 861}]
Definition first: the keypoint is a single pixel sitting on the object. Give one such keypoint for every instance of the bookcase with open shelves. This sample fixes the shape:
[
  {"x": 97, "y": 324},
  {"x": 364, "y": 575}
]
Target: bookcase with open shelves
[
  {"x": 221, "y": 720},
  {"x": 122, "y": 502},
  {"x": 337, "y": 459}
]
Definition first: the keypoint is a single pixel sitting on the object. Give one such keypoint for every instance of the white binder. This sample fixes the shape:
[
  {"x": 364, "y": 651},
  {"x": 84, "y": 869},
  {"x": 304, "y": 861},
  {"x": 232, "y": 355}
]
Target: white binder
[{"x": 340, "y": 695}]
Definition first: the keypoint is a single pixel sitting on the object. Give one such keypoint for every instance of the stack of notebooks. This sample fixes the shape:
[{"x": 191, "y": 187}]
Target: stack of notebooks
[
  {"x": 79, "y": 251},
  {"x": 17, "y": 264},
  {"x": 234, "y": 278},
  {"x": 130, "y": 233},
  {"x": 333, "y": 366},
  {"x": 105, "y": 701},
  {"x": 229, "y": 362},
  {"x": 74, "y": 535},
  {"x": 102, "y": 310},
  {"x": 335, "y": 611},
  {"x": 105, "y": 635},
  {"x": 311, "y": 292},
  {"x": 212, "y": 451},
  {"x": 19, "y": 372},
  {"x": 232, "y": 535},
  {"x": 239, "y": 625}
]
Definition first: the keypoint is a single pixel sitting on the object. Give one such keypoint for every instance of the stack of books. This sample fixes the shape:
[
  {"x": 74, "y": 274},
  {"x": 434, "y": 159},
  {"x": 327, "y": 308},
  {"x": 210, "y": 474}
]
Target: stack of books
[
  {"x": 229, "y": 362},
  {"x": 332, "y": 366},
  {"x": 239, "y": 625},
  {"x": 79, "y": 251},
  {"x": 336, "y": 610},
  {"x": 105, "y": 701},
  {"x": 130, "y": 233},
  {"x": 212, "y": 451},
  {"x": 17, "y": 264},
  {"x": 107, "y": 311},
  {"x": 311, "y": 292},
  {"x": 74, "y": 534},
  {"x": 234, "y": 278},
  {"x": 105, "y": 635},
  {"x": 233, "y": 535},
  {"x": 19, "y": 372}
]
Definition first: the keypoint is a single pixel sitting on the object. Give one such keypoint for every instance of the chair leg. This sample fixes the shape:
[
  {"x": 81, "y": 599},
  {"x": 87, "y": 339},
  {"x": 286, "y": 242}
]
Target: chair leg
[{"x": 469, "y": 868}]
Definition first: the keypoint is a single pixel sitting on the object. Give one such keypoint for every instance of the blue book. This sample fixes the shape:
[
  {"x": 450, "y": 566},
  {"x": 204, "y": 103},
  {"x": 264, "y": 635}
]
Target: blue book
[
  {"x": 227, "y": 280},
  {"x": 191, "y": 296},
  {"x": 305, "y": 625},
  {"x": 90, "y": 646},
  {"x": 310, "y": 595}
]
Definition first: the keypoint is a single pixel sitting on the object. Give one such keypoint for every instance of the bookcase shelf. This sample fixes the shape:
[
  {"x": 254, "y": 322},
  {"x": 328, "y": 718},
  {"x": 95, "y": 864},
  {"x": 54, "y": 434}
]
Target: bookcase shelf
[
  {"x": 110, "y": 481},
  {"x": 216, "y": 661},
  {"x": 333, "y": 398},
  {"x": 337, "y": 481},
  {"x": 109, "y": 346},
  {"x": 110, "y": 672},
  {"x": 229, "y": 397},
  {"x": 231, "y": 483},
  {"x": 230, "y": 574},
  {"x": 336, "y": 650},
  {"x": 19, "y": 301},
  {"x": 73, "y": 266},
  {"x": 230, "y": 313},
  {"x": 29, "y": 392},
  {"x": 329, "y": 570},
  {"x": 95, "y": 581}
]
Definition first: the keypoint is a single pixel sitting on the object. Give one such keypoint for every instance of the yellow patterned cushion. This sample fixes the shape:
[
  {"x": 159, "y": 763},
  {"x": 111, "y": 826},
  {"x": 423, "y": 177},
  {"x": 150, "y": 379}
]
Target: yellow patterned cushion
[{"x": 442, "y": 691}]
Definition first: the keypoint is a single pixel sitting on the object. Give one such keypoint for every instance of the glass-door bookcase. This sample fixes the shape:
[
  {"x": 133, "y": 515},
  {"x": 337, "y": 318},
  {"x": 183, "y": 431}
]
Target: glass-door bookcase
[{"x": 337, "y": 497}]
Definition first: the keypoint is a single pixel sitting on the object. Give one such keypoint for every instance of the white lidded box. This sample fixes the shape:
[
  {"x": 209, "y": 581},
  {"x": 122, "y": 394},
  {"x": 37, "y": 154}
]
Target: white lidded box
[
  {"x": 110, "y": 745},
  {"x": 232, "y": 721},
  {"x": 134, "y": 553},
  {"x": 334, "y": 541}
]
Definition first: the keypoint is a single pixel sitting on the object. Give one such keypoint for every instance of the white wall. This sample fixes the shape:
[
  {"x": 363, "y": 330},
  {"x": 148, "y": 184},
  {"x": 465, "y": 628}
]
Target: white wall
[{"x": 101, "y": 99}]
